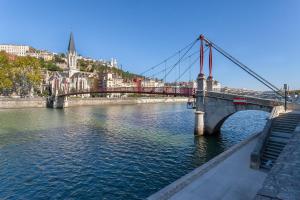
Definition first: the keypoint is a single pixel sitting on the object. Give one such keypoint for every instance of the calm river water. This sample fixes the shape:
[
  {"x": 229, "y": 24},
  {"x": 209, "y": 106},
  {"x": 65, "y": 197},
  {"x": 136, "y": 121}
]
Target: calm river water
[{"x": 106, "y": 152}]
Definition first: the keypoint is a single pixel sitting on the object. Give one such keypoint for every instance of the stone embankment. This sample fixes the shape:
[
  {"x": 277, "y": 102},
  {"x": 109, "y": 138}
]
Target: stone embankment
[
  {"x": 22, "y": 103},
  {"x": 41, "y": 102}
]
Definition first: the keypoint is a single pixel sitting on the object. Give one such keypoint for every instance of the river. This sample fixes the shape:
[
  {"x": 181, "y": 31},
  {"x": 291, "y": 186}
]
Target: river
[{"x": 106, "y": 152}]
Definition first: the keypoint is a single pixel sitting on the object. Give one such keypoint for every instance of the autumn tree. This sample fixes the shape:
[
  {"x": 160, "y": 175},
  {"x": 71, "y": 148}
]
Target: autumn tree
[
  {"x": 26, "y": 75},
  {"x": 5, "y": 74}
]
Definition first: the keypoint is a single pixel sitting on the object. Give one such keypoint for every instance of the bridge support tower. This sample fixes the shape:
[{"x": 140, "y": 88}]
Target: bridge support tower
[
  {"x": 200, "y": 98},
  {"x": 57, "y": 102}
]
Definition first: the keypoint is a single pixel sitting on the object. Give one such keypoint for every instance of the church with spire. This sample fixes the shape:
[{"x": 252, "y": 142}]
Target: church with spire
[
  {"x": 72, "y": 56},
  {"x": 71, "y": 79}
]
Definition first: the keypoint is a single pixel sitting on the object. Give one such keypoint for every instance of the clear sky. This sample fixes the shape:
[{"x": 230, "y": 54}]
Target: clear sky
[{"x": 140, "y": 33}]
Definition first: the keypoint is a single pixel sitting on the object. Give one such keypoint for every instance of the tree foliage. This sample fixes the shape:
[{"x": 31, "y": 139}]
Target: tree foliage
[
  {"x": 59, "y": 58},
  {"x": 5, "y": 74},
  {"x": 49, "y": 65},
  {"x": 100, "y": 67},
  {"x": 19, "y": 75}
]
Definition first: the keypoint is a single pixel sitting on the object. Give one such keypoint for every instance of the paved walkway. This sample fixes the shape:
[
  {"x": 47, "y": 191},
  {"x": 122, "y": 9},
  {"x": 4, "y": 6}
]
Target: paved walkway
[
  {"x": 230, "y": 179},
  {"x": 283, "y": 181}
]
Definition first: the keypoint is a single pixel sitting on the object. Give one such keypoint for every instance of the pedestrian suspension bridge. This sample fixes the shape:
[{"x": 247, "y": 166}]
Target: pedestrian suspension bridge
[{"x": 212, "y": 107}]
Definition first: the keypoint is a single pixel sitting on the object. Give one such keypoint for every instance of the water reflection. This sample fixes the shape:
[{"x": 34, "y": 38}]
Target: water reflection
[{"x": 106, "y": 152}]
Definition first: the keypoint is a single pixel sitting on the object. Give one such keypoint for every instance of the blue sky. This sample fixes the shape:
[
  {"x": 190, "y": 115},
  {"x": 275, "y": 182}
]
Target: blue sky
[{"x": 140, "y": 33}]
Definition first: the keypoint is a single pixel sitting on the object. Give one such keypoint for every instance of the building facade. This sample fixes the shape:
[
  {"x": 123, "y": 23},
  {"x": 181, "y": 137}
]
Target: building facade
[
  {"x": 72, "y": 80},
  {"x": 18, "y": 50},
  {"x": 45, "y": 55}
]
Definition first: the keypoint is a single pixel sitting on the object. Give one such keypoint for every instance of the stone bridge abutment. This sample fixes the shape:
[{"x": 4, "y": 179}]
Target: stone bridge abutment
[
  {"x": 213, "y": 108},
  {"x": 57, "y": 101}
]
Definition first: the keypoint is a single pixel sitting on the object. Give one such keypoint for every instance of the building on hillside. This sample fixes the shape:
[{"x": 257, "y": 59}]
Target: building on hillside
[
  {"x": 25, "y": 50},
  {"x": 72, "y": 80},
  {"x": 113, "y": 63},
  {"x": 45, "y": 55},
  {"x": 110, "y": 80},
  {"x": 79, "y": 57},
  {"x": 148, "y": 82},
  {"x": 188, "y": 84},
  {"x": 216, "y": 86},
  {"x": 18, "y": 50}
]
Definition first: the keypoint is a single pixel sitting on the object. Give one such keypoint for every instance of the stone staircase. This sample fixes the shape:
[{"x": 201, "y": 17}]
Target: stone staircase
[{"x": 282, "y": 129}]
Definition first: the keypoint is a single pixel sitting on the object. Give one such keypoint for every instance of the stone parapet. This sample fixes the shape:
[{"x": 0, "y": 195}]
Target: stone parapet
[{"x": 255, "y": 157}]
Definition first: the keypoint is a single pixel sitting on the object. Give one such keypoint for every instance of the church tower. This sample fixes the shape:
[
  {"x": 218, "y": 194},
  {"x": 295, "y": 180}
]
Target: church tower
[{"x": 72, "y": 56}]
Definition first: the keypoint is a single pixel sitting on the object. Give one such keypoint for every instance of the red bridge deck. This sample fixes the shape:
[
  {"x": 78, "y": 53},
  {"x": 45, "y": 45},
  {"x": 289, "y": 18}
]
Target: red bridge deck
[{"x": 186, "y": 92}]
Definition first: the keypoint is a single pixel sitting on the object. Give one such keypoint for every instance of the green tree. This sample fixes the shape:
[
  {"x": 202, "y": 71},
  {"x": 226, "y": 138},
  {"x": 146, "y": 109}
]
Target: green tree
[
  {"x": 5, "y": 73},
  {"x": 58, "y": 59},
  {"x": 49, "y": 65},
  {"x": 27, "y": 75}
]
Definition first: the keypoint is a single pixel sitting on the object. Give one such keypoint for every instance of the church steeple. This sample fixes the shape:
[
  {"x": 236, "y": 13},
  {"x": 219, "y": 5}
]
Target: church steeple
[
  {"x": 71, "y": 47},
  {"x": 72, "y": 56}
]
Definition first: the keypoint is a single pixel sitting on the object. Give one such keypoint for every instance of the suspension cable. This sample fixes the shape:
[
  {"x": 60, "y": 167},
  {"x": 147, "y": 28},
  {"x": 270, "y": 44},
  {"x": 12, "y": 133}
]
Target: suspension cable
[
  {"x": 245, "y": 68},
  {"x": 161, "y": 71},
  {"x": 189, "y": 67},
  {"x": 182, "y": 57},
  {"x": 190, "y": 75},
  {"x": 168, "y": 58},
  {"x": 191, "y": 64},
  {"x": 179, "y": 64}
]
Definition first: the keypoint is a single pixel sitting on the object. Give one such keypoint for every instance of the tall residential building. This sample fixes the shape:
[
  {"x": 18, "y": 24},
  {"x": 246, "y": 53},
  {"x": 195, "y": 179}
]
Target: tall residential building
[{"x": 19, "y": 50}]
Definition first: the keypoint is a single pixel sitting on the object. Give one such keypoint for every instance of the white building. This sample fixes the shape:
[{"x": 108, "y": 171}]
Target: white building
[
  {"x": 47, "y": 56},
  {"x": 19, "y": 50},
  {"x": 113, "y": 63},
  {"x": 152, "y": 83},
  {"x": 216, "y": 86},
  {"x": 111, "y": 80}
]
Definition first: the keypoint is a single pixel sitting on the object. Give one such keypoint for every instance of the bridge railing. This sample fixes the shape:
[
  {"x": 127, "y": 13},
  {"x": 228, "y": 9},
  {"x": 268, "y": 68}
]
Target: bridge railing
[
  {"x": 257, "y": 94},
  {"x": 256, "y": 100},
  {"x": 180, "y": 91}
]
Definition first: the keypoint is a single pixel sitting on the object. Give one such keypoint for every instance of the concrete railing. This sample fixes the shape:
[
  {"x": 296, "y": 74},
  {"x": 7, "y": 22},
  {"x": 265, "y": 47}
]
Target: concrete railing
[
  {"x": 257, "y": 152},
  {"x": 250, "y": 99}
]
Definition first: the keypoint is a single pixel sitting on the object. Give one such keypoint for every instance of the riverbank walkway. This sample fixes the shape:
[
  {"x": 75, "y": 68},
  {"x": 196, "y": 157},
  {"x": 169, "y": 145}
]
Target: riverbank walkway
[
  {"x": 283, "y": 181},
  {"x": 227, "y": 176}
]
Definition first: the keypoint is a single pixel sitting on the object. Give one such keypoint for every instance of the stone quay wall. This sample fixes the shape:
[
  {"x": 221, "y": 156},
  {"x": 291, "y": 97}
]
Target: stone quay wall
[
  {"x": 103, "y": 101},
  {"x": 10, "y": 103},
  {"x": 22, "y": 103}
]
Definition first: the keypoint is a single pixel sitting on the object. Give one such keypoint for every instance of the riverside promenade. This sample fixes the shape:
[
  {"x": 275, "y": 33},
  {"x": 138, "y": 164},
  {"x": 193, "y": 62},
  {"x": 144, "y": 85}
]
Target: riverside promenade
[
  {"x": 283, "y": 181},
  {"x": 229, "y": 176}
]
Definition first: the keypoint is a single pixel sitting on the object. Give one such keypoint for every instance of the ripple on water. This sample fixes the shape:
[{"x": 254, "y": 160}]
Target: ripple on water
[{"x": 106, "y": 152}]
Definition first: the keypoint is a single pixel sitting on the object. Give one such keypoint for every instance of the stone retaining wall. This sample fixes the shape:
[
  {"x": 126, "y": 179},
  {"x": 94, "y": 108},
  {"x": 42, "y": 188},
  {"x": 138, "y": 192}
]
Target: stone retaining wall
[
  {"x": 41, "y": 102},
  {"x": 23, "y": 103},
  {"x": 103, "y": 101}
]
